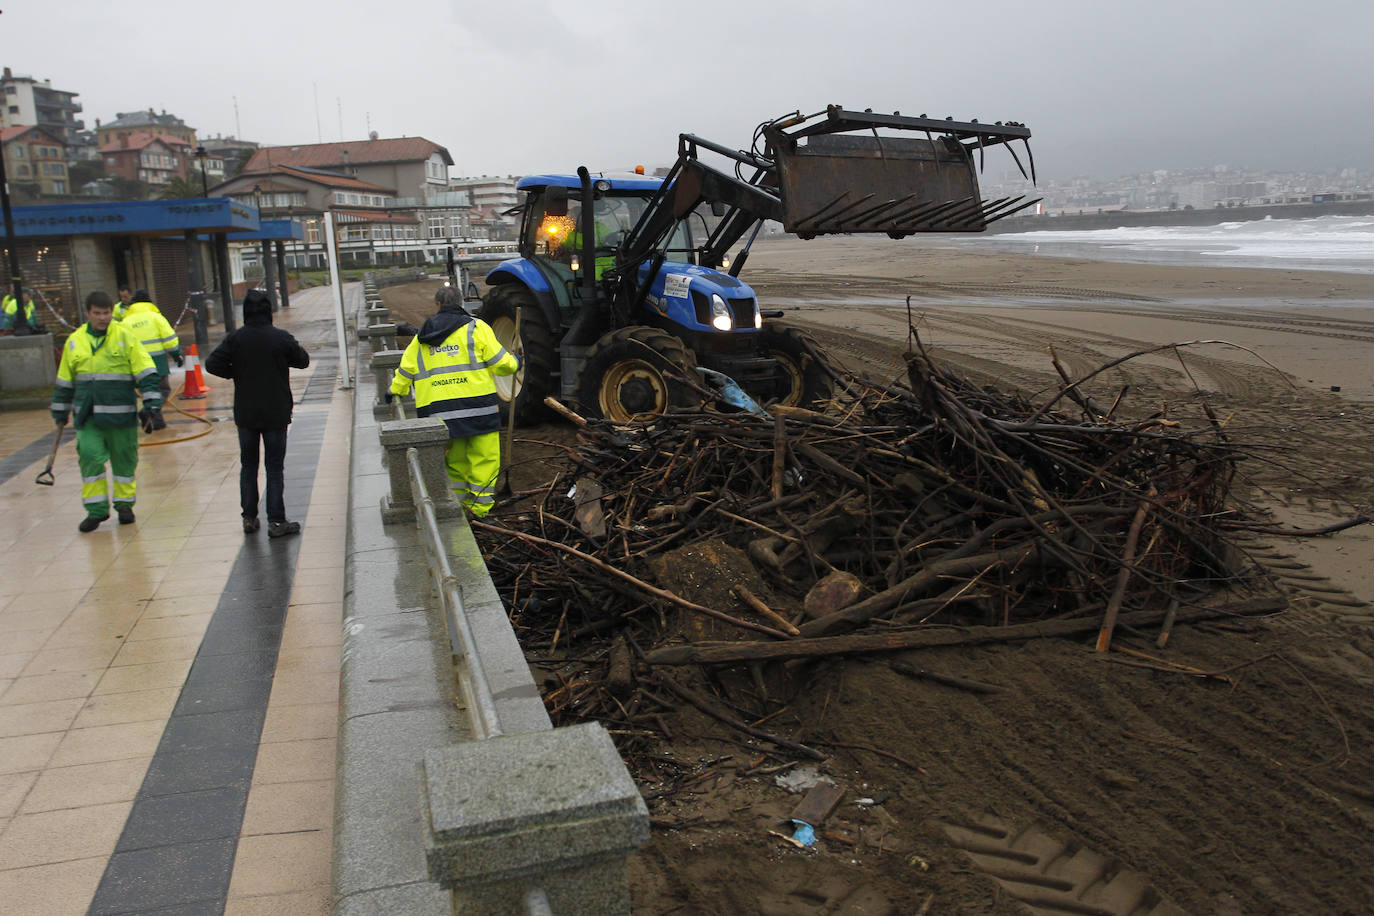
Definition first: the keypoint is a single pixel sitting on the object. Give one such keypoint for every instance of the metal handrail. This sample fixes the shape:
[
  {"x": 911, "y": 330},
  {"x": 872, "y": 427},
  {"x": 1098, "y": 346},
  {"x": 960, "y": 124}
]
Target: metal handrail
[{"x": 486, "y": 721}]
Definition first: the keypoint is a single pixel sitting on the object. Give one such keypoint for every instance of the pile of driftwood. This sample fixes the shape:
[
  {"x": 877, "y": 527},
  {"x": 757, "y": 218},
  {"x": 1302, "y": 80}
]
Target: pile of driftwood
[{"x": 877, "y": 524}]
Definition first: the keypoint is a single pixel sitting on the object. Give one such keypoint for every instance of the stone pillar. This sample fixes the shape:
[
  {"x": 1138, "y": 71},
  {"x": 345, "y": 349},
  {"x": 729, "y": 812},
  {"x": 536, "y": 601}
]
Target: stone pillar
[
  {"x": 380, "y": 336},
  {"x": 377, "y": 315},
  {"x": 384, "y": 363},
  {"x": 430, "y": 437},
  {"x": 550, "y": 811}
]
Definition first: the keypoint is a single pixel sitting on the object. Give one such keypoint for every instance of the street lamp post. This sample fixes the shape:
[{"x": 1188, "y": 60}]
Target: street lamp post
[
  {"x": 204, "y": 182},
  {"x": 21, "y": 326}
]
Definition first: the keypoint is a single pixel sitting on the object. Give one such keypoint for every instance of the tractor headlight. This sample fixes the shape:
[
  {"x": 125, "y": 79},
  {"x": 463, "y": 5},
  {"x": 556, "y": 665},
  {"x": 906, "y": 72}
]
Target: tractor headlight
[
  {"x": 758, "y": 318},
  {"x": 720, "y": 314}
]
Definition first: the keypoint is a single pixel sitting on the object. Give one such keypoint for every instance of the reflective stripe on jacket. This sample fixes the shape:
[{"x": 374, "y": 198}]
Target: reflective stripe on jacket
[
  {"x": 153, "y": 331},
  {"x": 98, "y": 376},
  {"x": 453, "y": 380}
]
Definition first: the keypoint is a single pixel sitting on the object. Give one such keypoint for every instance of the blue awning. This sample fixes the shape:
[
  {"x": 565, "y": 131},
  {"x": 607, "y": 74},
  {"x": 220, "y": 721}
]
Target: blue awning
[{"x": 141, "y": 217}]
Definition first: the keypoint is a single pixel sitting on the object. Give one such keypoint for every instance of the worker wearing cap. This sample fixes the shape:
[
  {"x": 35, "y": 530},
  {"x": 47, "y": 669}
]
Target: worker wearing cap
[
  {"x": 157, "y": 337},
  {"x": 11, "y": 309},
  {"x": 103, "y": 366},
  {"x": 450, "y": 363}
]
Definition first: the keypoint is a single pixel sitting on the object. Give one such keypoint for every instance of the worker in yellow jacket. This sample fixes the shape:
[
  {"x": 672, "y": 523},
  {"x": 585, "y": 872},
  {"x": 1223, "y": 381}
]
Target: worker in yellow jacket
[
  {"x": 450, "y": 364},
  {"x": 157, "y": 337},
  {"x": 10, "y": 313},
  {"x": 126, "y": 299},
  {"x": 103, "y": 367}
]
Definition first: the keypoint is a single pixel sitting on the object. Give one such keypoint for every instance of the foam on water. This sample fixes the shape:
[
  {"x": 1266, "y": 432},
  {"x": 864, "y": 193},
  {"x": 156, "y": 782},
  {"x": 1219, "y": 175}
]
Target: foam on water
[{"x": 1340, "y": 243}]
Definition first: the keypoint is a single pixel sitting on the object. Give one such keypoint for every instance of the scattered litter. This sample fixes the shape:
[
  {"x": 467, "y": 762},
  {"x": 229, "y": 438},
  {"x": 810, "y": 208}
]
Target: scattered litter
[
  {"x": 799, "y": 780},
  {"x": 804, "y": 835},
  {"x": 918, "y": 862}
]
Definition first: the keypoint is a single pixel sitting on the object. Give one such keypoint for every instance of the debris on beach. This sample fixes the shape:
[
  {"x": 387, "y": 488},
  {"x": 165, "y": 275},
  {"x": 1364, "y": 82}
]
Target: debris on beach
[{"x": 933, "y": 513}]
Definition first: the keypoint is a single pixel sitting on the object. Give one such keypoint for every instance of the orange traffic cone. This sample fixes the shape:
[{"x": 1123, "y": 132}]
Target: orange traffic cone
[{"x": 194, "y": 386}]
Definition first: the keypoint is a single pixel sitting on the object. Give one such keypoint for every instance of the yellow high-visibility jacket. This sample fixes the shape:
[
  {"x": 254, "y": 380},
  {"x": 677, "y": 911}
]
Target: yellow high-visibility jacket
[
  {"x": 11, "y": 310},
  {"x": 98, "y": 377},
  {"x": 450, "y": 363},
  {"x": 153, "y": 331}
]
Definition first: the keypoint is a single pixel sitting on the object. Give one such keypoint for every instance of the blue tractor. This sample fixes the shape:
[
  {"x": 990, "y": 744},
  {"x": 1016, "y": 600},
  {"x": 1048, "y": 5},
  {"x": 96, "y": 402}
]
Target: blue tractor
[{"x": 624, "y": 290}]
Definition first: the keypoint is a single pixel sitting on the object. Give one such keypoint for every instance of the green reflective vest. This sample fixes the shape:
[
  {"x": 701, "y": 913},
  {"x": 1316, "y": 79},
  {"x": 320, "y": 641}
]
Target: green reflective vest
[{"x": 98, "y": 376}]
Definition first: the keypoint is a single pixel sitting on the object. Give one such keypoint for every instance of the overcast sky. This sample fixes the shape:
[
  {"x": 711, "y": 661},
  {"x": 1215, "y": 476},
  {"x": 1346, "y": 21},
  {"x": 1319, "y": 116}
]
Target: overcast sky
[{"x": 520, "y": 86}]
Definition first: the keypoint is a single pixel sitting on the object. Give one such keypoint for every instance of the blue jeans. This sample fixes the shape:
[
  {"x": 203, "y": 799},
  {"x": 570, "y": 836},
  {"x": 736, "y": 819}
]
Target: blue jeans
[{"x": 274, "y": 444}]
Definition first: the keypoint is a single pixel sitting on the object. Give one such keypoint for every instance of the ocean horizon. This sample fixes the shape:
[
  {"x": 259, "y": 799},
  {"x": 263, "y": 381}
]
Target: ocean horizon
[{"x": 1337, "y": 243}]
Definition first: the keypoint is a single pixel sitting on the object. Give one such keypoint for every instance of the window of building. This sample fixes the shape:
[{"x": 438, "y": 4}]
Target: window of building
[
  {"x": 18, "y": 152},
  {"x": 110, "y": 161},
  {"x": 312, "y": 232},
  {"x": 21, "y": 170},
  {"x": 9, "y": 90},
  {"x": 436, "y": 227},
  {"x": 14, "y": 109},
  {"x": 59, "y": 187}
]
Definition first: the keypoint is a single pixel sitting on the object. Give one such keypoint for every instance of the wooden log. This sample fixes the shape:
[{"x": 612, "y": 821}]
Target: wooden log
[
  {"x": 718, "y": 653},
  {"x": 565, "y": 412},
  {"x": 626, "y": 577},
  {"x": 1168, "y": 627},
  {"x": 779, "y": 455},
  {"x": 759, "y": 607},
  {"x": 1104, "y": 636},
  {"x": 885, "y": 600}
]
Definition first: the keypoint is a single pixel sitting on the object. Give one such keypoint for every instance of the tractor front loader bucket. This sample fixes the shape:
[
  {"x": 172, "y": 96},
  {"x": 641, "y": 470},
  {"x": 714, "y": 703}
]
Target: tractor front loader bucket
[{"x": 841, "y": 182}]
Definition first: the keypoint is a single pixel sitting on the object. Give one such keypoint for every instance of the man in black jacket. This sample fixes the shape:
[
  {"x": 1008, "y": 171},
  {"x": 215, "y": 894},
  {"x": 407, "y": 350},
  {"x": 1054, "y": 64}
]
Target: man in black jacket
[{"x": 257, "y": 357}]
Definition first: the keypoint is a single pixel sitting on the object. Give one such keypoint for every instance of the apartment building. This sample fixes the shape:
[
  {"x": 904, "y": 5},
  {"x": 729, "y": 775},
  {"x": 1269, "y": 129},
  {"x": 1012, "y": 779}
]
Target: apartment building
[
  {"x": 152, "y": 158},
  {"x": 36, "y": 103},
  {"x": 35, "y": 157}
]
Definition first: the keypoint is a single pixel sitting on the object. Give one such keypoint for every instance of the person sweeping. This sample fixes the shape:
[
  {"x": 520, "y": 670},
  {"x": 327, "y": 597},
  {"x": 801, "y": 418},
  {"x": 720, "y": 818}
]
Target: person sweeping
[
  {"x": 103, "y": 369},
  {"x": 450, "y": 363}
]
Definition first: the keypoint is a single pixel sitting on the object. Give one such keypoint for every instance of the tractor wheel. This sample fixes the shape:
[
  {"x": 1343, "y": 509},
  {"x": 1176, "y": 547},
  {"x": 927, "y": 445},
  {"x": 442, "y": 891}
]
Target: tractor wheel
[
  {"x": 629, "y": 373},
  {"x": 533, "y": 382},
  {"x": 800, "y": 381}
]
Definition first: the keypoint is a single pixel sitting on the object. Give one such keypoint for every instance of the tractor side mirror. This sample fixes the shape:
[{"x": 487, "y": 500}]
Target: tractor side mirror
[
  {"x": 556, "y": 201},
  {"x": 717, "y": 208}
]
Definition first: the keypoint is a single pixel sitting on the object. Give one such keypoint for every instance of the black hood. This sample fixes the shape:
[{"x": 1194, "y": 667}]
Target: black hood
[
  {"x": 257, "y": 308},
  {"x": 438, "y": 326}
]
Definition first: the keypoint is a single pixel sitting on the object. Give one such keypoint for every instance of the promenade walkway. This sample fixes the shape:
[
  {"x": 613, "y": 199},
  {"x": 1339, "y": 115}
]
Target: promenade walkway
[{"x": 169, "y": 689}]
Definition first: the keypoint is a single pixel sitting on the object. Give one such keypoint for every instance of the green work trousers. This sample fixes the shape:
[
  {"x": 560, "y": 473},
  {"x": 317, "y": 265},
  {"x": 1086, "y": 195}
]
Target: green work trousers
[
  {"x": 95, "y": 447},
  {"x": 474, "y": 462}
]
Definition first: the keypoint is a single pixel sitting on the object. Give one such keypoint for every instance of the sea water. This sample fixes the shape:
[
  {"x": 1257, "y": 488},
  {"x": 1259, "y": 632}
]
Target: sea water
[{"x": 1338, "y": 243}]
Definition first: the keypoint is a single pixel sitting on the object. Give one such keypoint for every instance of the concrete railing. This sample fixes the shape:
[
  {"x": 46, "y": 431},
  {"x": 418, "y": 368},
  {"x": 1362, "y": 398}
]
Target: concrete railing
[{"x": 509, "y": 814}]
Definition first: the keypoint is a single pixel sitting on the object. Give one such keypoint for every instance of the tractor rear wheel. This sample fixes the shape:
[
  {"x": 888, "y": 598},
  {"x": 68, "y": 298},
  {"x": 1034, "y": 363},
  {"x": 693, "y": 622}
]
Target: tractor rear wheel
[
  {"x": 533, "y": 382},
  {"x": 800, "y": 381},
  {"x": 636, "y": 372}
]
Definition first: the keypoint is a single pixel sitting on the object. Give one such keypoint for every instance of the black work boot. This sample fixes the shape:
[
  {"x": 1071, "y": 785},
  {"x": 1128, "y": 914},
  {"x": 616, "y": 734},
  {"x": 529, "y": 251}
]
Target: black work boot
[
  {"x": 126, "y": 514},
  {"x": 282, "y": 529},
  {"x": 90, "y": 523},
  {"x": 250, "y": 525}
]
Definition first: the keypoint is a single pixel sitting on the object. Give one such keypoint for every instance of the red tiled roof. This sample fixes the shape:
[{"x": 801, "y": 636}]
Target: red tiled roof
[
  {"x": 331, "y": 181},
  {"x": 352, "y": 152},
  {"x": 11, "y": 133},
  {"x": 140, "y": 140}
]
